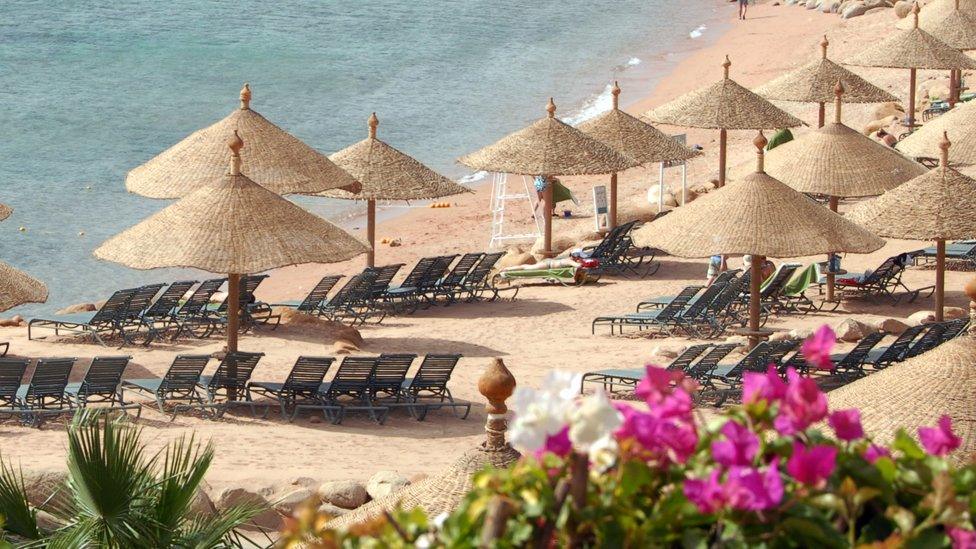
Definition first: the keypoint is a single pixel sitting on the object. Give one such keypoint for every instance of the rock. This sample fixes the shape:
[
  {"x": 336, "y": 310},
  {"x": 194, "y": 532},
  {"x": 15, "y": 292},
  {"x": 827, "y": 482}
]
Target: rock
[
  {"x": 851, "y": 330},
  {"x": 202, "y": 505},
  {"x": 781, "y": 336},
  {"x": 332, "y": 510},
  {"x": 395, "y": 243},
  {"x": 41, "y": 486},
  {"x": 343, "y": 493},
  {"x": 800, "y": 333},
  {"x": 229, "y": 497},
  {"x": 349, "y": 334},
  {"x": 305, "y": 482},
  {"x": 17, "y": 318},
  {"x": 667, "y": 351},
  {"x": 892, "y": 326},
  {"x": 559, "y": 244},
  {"x": 875, "y": 9},
  {"x": 854, "y": 9},
  {"x": 903, "y": 9},
  {"x": 741, "y": 341},
  {"x": 8, "y": 323},
  {"x": 77, "y": 308},
  {"x": 343, "y": 347},
  {"x": 290, "y": 316},
  {"x": 952, "y": 313},
  {"x": 419, "y": 477},
  {"x": 920, "y": 317},
  {"x": 289, "y": 502},
  {"x": 890, "y": 108},
  {"x": 668, "y": 199},
  {"x": 385, "y": 483},
  {"x": 514, "y": 257}
]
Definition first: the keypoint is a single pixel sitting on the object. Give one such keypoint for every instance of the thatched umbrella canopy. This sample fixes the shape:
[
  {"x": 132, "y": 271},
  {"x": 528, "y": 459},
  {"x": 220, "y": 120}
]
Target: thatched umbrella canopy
[
  {"x": 958, "y": 29},
  {"x": 638, "y": 140},
  {"x": 385, "y": 173},
  {"x": 935, "y": 11},
  {"x": 760, "y": 216},
  {"x": 815, "y": 82},
  {"x": 232, "y": 226},
  {"x": 18, "y": 288},
  {"x": 912, "y": 49},
  {"x": 443, "y": 493},
  {"x": 5, "y": 211},
  {"x": 280, "y": 161},
  {"x": 960, "y": 122},
  {"x": 725, "y": 105},
  {"x": 935, "y": 206},
  {"x": 548, "y": 147}
]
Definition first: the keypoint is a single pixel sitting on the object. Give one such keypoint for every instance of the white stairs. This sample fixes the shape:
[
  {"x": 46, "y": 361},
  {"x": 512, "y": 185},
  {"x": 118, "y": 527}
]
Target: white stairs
[{"x": 501, "y": 196}]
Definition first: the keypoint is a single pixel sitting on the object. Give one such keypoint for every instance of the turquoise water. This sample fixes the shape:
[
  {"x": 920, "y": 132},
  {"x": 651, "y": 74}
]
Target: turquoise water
[{"x": 90, "y": 89}]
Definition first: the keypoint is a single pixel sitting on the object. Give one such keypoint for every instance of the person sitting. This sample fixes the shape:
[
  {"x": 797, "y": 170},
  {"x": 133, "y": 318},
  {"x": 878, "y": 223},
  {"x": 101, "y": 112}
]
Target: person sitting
[
  {"x": 716, "y": 264},
  {"x": 886, "y": 138}
]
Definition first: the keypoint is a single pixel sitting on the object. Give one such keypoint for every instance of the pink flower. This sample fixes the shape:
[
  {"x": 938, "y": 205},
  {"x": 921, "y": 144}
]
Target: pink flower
[
  {"x": 816, "y": 348},
  {"x": 557, "y": 444},
  {"x": 768, "y": 386},
  {"x": 739, "y": 446},
  {"x": 660, "y": 439},
  {"x": 657, "y": 384},
  {"x": 750, "y": 489},
  {"x": 875, "y": 452},
  {"x": 803, "y": 405},
  {"x": 707, "y": 494},
  {"x": 940, "y": 440},
  {"x": 962, "y": 538},
  {"x": 847, "y": 424},
  {"x": 812, "y": 465}
]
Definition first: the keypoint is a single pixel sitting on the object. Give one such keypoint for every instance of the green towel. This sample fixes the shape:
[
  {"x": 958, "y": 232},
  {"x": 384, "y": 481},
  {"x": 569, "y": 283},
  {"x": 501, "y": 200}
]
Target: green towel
[
  {"x": 802, "y": 281},
  {"x": 780, "y": 137},
  {"x": 561, "y": 193},
  {"x": 562, "y": 273}
]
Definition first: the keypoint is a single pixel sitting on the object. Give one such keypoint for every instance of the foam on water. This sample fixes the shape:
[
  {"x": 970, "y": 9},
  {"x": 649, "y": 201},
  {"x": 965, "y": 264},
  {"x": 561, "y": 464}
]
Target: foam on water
[{"x": 698, "y": 32}]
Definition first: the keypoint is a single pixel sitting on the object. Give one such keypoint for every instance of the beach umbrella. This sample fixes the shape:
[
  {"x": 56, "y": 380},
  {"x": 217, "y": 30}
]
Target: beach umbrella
[
  {"x": 232, "y": 226},
  {"x": 957, "y": 29},
  {"x": 815, "y": 81},
  {"x": 960, "y": 122},
  {"x": 839, "y": 162},
  {"x": 935, "y": 206},
  {"x": 548, "y": 147},
  {"x": 384, "y": 173},
  {"x": 18, "y": 288},
  {"x": 759, "y": 216},
  {"x": 725, "y": 105},
  {"x": 636, "y": 139},
  {"x": 280, "y": 161},
  {"x": 935, "y": 11},
  {"x": 912, "y": 49},
  {"x": 5, "y": 211}
]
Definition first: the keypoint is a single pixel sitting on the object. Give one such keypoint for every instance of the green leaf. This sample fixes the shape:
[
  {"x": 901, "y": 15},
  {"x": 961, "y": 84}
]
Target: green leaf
[
  {"x": 17, "y": 515},
  {"x": 806, "y": 532},
  {"x": 887, "y": 468},
  {"x": 907, "y": 446}
]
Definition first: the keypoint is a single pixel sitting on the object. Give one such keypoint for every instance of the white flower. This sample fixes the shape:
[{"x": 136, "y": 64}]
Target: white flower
[
  {"x": 603, "y": 453},
  {"x": 542, "y": 413},
  {"x": 439, "y": 520},
  {"x": 593, "y": 420}
]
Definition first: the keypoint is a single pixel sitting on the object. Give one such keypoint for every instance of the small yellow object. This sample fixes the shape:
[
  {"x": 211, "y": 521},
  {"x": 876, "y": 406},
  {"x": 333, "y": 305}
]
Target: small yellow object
[
  {"x": 81, "y": 233},
  {"x": 22, "y": 229},
  {"x": 88, "y": 187}
]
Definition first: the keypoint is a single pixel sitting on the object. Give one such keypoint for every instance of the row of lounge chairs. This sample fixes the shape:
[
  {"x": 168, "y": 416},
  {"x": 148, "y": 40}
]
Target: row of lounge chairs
[
  {"x": 140, "y": 315},
  {"x": 702, "y": 362},
  {"x": 371, "y": 294},
  {"x": 375, "y": 385}
]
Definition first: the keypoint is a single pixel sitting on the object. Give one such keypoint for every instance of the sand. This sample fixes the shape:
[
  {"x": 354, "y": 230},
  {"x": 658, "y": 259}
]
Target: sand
[{"x": 547, "y": 327}]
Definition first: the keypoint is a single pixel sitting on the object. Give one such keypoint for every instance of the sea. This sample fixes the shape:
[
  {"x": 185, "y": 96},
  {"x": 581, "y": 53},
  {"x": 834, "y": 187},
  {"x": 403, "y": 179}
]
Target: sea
[{"x": 90, "y": 89}]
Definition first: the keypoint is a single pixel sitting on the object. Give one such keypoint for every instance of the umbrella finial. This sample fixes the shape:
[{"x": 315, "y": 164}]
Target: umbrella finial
[
  {"x": 760, "y": 142},
  {"x": 915, "y": 10},
  {"x": 496, "y": 385},
  {"x": 373, "y": 123},
  {"x": 823, "y": 47},
  {"x": 726, "y": 65},
  {"x": 616, "y": 95},
  {"x": 551, "y": 108},
  {"x": 944, "y": 150},
  {"x": 235, "y": 144},
  {"x": 838, "y": 92},
  {"x": 246, "y": 97}
]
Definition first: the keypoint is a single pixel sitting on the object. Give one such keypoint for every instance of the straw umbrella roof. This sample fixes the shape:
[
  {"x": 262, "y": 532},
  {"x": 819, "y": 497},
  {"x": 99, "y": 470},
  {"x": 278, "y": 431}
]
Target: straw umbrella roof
[
  {"x": 912, "y": 49},
  {"x": 5, "y": 211},
  {"x": 755, "y": 215},
  {"x": 935, "y": 206},
  {"x": 231, "y": 226},
  {"x": 548, "y": 146},
  {"x": 634, "y": 138},
  {"x": 815, "y": 81},
  {"x": 18, "y": 287},
  {"x": 915, "y": 393},
  {"x": 935, "y": 11},
  {"x": 385, "y": 173},
  {"x": 722, "y": 105},
  {"x": 958, "y": 29},
  {"x": 279, "y": 160},
  {"x": 960, "y": 122}
]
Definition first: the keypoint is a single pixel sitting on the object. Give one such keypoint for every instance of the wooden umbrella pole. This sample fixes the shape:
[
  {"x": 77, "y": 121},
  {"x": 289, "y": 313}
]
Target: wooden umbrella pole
[
  {"x": 722, "y": 147},
  {"x": 613, "y": 200},
  {"x": 233, "y": 324},
  {"x": 755, "y": 297},
  {"x": 952, "y": 88},
  {"x": 371, "y": 232},
  {"x": 913, "y": 73},
  {"x": 547, "y": 216},
  {"x": 821, "y": 114},
  {"x": 830, "y": 259},
  {"x": 940, "y": 248}
]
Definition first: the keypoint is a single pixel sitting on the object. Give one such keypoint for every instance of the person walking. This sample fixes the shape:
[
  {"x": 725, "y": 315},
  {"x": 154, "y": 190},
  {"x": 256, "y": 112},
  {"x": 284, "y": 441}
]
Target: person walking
[{"x": 743, "y": 7}]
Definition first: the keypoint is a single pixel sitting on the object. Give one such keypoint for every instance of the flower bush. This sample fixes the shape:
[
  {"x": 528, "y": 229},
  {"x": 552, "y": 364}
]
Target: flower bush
[{"x": 779, "y": 470}]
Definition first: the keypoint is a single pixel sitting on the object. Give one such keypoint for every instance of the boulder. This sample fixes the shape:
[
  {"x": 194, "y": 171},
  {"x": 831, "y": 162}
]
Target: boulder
[
  {"x": 77, "y": 308},
  {"x": 800, "y": 333},
  {"x": 920, "y": 317},
  {"x": 290, "y": 316},
  {"x": 893, "y": 326},
  {"x": 347, "y": 334},
  {"x": 851, "y": 330},
  {"x": 347, "y": 494},
  {"x": 668, "y": 199},
  {"x": 41, "y": 486},
  {"x": 782, "y": 336},
  {"x": 332, "y": 510},
  {"x": 202, "y": 505},
  {"x": 230, "y": 497},
  {"x": 854, "y": 9},
  {"x": 891, "y": 108},
  {"x": 667, "y": 351},
  {"x": 515, "y": 256},
  {"x": 343, "y": 347},
  {"x": 385, "y": 483},
  {"x": 952, "y": 313},
  {"x": 305, "y": 482},
  {"x": 903, "y": 8},
  {"x": 8, "y": 323},
  {"x": 288, "y": 502}
]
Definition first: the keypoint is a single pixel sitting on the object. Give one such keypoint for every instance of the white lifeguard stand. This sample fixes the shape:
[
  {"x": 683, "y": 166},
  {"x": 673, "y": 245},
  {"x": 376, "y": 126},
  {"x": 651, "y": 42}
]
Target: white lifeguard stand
[
  {"x": 500, "y": 196},
  {"x": 681, "y": 138}
]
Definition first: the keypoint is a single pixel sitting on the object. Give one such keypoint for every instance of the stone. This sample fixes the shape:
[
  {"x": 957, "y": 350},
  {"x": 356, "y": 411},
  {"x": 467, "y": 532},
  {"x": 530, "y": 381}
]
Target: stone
[
  {"x": 890, "y": 108},
  {"x": 395, "y": 243},
  {"x": 332, "y": 510},
  {"x": 347, "y": 494},
  {"x": 920, "y": 317},
  {"x": 77, "y": 308},
  {"x": 290, "y": 501},
  {"x": 230, "y": 497},
  {"x": 854, "y": 9},
  {"x": 952, "y": 313},
  {"x": 291, "y": 316},
  {"x": 305, "y": 482},
  {"x": 385, "y": 483},
  {"x": 800, "y": 333},
  {"x": 348, "y": 333},
  {"x": 514, "y": 257},
  {"x": 903, "y": 8},
  {"x": 667, "y": 351},
  {"x": 202, "y": 505},
  {"x": 892, "y": 326},
  {"x": 668, "y": 199},
  {"x": 851, "y": 330},
  {"x": 781, "y": 336},
  {"x": 342, "y": 347},
  {"x": 41, "y": 486},
  {"x": 8, "y": 323}
]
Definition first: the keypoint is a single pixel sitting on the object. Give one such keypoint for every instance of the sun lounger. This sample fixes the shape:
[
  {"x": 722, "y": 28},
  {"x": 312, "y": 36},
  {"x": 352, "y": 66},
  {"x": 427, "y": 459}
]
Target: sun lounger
[
  {"x": 192, "y": 316},
  {"x": 882, "y": 357},
  {"x": 428, "y": 390},
  {"x": 386, "y": 382},
  {"x": 352, "y": 302},
  {"x": 961, "y": 250},
  {"x": 448, "y": 285},
  {"x": 407, "y": 294},
  {"x": 316, "y": 296},
  {"x": 693, "y": 320},
  {"x": 755, "y": 360},
  {"x": 228, "y": 386},
  {"x": 252, "y": 311},
  {"x": 701, "y": 369},
  {"x": 301, "y": 387},
  {"x": 479, "y": 284},
  {"x": 567, "y": 276},
  {"x": 954, "y": 328},
  {"x": 851, "y": 364},
  {"x": 103, "y": 323},
  {"x": 44, "y": 395},
  {"x": 628, "y": 378},
  {"x": 931, "y": 337},
  {"x": 350, "y": 390},
  {"x": 178, "y": 385},
  {"x": 103, "y": 384},
  {"x": 688, "y": 292},
  {"x": 883, "y": 281},
  {"x": 11, "y": 373},
  {"x": 663, "y": 319}
]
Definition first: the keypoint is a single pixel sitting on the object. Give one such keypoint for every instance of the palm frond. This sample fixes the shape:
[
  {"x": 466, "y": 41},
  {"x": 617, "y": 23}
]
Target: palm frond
[
  {"x": 219, "y": 530},
  {"x": 184, "y": 464},
  {"x": 17, "y": 515}
]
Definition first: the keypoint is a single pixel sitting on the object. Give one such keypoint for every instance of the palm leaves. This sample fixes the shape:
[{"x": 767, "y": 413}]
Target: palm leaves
[{"x": 117, "y": 496}]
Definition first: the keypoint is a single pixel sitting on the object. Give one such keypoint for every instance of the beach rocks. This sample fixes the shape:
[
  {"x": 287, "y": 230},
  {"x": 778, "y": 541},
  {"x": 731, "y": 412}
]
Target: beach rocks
[
  {"x": 667, "y": 351},
  {"x": 903, "y": 9},
  {"x": 952, "y": 313},
  {"x": 851, "y": 330},
  {"x": 655, "y": 198},
  {"x": 800, "y": 333},
  {"x": 231, "y": 497},
  {"x": 514, "y": 257},
  {"x": 885, "y": 110},
  {"x": 385, "y": 483},
  {"x": 332, "y": 510},
  {"x": 76, "y": 308},
  {"x": 782, "y": 336},
  {"x": 346, "y": 494},
  {"x": 42, "y": 485},
  {"x": 920, "y": 317},
  {"x": 854, "y": 9},
  {"x": 289, "y": 502},
  {"x": 892, "y": 326}
]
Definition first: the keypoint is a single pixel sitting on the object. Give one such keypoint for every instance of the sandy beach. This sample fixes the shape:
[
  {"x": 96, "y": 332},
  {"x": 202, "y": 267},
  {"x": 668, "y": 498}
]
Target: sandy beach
[{"x": 547, "y": 327}]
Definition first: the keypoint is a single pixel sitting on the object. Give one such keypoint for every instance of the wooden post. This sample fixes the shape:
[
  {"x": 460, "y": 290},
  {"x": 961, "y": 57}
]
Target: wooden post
[
  {"x": 579, "y": 471},
  {"x": 233, "y": 325},
  {"x": 722, "y": 147},
  {"x": 939, "y": 279},
  {"x": 821, "y": 114},
  {"x": 547, "y": 216},
  {"x": 830, "y": 259},
  {"x": 755, "y": 298},
  {"x": 953, "y": 87},
  {"x": 371, "y": 232},
  {"x": 913, "y": 73},
  {"x": 613, "y": 200}
]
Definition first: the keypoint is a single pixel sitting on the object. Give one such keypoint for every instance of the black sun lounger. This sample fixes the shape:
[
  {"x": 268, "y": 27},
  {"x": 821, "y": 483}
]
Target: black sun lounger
[
  {"x": 427, "y": 390},
  {"x": 104, "y": 322},
  {"x": 312, "y": 304},
  {"x": 11, "y": 373},
  {"x": 350, "y": 390},
  {"x": 103, "y": 384},
  {"x": 44, "y": 395},
  {"x": 178, "y": 385},
  {"x": 300, "y": 388},
  {"x": 627, "y": 378}
]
